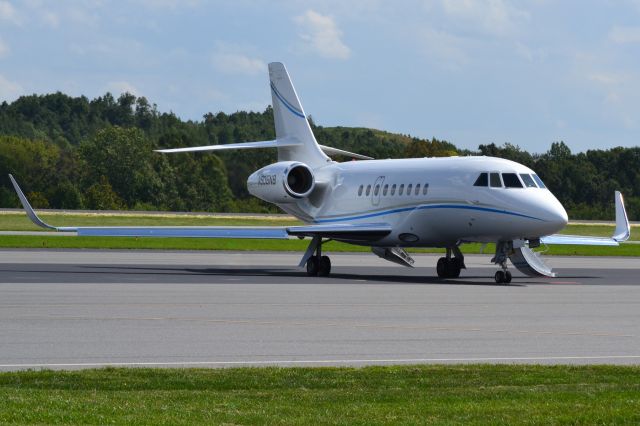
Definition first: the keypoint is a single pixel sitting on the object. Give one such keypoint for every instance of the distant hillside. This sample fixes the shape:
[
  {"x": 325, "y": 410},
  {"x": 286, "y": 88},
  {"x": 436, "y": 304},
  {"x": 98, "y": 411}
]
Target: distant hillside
[
  {"x": 75, "y": 152},
  {"x": 80, "y": 153}
]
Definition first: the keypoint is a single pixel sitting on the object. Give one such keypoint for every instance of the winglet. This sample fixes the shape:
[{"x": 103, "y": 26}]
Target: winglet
[
  {"x": 25, "y": 203},
  {"x": 623, "y": 229}
]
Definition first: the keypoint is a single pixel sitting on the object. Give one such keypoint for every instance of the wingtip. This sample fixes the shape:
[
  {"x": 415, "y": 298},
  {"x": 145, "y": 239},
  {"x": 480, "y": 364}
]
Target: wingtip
[
  {"x": 623, "y": 227},
  {"x": 27, "y": 206}
]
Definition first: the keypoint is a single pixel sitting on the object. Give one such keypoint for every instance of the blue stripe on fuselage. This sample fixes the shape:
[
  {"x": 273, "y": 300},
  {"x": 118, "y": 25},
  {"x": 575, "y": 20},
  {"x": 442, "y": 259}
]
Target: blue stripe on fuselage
[{"x": 427, "y": 207}]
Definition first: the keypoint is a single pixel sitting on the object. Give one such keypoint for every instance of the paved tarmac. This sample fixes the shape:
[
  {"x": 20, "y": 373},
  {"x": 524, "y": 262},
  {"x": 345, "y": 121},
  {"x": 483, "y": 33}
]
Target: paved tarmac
[{"x": 82, "y": 308}]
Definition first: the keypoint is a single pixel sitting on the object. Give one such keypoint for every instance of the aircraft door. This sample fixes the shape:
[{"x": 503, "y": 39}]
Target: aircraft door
[{"x": 376, "y": 191}]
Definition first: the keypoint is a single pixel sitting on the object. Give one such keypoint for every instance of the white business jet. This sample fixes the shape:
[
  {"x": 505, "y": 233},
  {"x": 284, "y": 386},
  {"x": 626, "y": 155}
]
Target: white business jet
[{"x": 388, "y": 205}]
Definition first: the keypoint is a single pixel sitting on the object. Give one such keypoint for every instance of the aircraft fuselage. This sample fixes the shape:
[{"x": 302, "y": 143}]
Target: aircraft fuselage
[{"x": 432, "y": 201}]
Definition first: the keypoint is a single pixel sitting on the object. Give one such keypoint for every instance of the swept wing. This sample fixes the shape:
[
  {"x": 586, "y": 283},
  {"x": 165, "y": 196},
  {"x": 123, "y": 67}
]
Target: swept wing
[{"x": 350, "y": 232}]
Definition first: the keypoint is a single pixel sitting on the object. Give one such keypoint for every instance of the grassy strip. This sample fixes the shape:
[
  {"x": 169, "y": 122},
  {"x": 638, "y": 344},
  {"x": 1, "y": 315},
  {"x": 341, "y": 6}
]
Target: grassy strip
[
  {"x": 461, "y": 394},
  {"x": 56, "y": 242}
]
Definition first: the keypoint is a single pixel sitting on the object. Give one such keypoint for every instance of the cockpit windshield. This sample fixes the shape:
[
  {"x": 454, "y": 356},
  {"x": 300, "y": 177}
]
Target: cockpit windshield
[
  {"x": 528, "y": 180},
  {"x": 508, "y": 180},
  {"x": 539, "y": 181},
  {"x": 511, "y": 180}
]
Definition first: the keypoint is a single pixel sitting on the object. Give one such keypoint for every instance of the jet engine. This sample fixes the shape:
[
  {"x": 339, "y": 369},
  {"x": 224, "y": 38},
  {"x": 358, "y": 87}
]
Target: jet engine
[{"x": 282, "y": 182}]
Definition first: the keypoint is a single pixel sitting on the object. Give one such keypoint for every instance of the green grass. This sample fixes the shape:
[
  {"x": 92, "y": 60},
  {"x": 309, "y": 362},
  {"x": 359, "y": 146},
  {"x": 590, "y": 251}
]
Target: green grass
[{"x": 460, "y": 394}]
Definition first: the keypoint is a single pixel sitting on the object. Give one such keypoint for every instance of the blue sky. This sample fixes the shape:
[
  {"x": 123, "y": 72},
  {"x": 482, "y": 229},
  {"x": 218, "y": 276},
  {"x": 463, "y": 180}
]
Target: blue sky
[{"x": 527, "y": 72}]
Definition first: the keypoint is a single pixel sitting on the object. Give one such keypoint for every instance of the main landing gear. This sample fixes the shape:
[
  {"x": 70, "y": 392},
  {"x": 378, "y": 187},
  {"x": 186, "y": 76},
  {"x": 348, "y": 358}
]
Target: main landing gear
[
  {"x": 503, "y": 248},
  {"x": 317, "y": 264},
  {"x": 449, "y": 267}
]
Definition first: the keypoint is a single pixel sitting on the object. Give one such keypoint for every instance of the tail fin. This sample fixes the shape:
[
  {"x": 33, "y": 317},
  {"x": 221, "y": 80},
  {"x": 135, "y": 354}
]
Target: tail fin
[
  {"x": 291, "y": 121},
  {"x": 294, "y": 138}
]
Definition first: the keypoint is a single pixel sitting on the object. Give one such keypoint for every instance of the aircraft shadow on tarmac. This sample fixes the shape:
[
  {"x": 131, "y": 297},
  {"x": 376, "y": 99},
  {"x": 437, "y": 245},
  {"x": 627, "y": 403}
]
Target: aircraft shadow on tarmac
[
  {"x": 102, "y": 273},
  {"x": 350, "y": 278}
]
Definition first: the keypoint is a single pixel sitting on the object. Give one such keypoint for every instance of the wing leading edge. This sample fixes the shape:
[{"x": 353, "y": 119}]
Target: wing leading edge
[{"x": 351, "y": 232}]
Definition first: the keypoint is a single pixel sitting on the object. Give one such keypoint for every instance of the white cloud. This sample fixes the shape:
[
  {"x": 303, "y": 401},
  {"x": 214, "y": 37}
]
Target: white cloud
[
  {"x": 4, "y": 49},
  {"x": 496, "y": 17},
  {"x": 118, "y": 87},
  {"x": 169, "y": 4},
  {"x": 321, "y": 34},
  {"x": 620, "y": 91},
  {"x": 529, "y": 53},
  {"x": 8, "y": 12},
  {"x": 444, "y": 49},
  {"x": 51, "y": 19},
  {"x": 606, "y": 79},
  {"x": 625, "y": 34},
  {"x": 9, "y": 90},
  {"x": 236, "y": 63}
]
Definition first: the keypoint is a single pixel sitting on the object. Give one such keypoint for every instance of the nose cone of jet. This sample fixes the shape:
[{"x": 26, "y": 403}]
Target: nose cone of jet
[{"x": 556, "y": 216}]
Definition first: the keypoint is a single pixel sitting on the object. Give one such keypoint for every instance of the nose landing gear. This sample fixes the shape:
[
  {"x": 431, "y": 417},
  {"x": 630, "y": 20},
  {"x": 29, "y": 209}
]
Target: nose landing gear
[
  {"x": 503, "y": 248},
  {"x": 502, "y": 277}
]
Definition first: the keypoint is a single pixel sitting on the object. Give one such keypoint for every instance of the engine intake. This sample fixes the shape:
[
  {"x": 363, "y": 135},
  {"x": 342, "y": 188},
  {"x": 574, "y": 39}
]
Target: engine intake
[
  {"x": 283, "y": 182},
  {"x": 299, "y": 181}
]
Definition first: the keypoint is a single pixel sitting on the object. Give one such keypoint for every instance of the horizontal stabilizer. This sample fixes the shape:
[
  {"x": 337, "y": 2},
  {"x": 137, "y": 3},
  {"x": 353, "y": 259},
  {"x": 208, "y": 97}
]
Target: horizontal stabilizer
[
  {"x": 245, "y": 145},
  {"x": 335, "y": 151},
  {"x": 277, "y": 143},
  {"x": 345, "y": 232}
]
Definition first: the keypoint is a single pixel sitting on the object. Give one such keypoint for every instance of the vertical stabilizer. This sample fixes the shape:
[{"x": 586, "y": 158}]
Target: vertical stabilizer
[{"x": 291, "y": 121}]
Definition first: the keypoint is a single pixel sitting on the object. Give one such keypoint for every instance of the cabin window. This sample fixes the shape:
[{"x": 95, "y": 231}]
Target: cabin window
[
  {"x": 401, "y": 189},
  {"x": 409, "y": 187},
  {"x": 425, "y": 188},
  {"x": 360, "y": 190},
  {"x": 418, "y": 189},
  {"x": 511, "y": 180},
  {"x": 368, "y": 190},
  {"x": 483, "y": 180},
  {"x": 494, "y": 180},
  {"x": 377, "y": 190},
  {"x": 393, "y": 189},
  {"x": 539, "y": 181},
  {"x": 386, "y": 188},
  {"x": 528, "y": 181}
]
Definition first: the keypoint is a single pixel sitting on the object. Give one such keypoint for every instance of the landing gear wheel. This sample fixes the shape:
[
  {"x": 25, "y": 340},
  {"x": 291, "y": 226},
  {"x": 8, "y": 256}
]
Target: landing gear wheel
[
  {"x": 312, "y": 266},
  {"x": 507, "y": 277},
  {"x": 441, "y": 267},
  {"x": 453, "y": 269},
  {"x": 500, "y": 277},
  {"x": 324, "y": 269}
]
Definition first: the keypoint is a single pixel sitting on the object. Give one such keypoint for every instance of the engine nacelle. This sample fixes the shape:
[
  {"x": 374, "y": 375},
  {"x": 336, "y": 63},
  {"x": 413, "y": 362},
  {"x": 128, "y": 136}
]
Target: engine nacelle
[{"x": 283, "y": 182}]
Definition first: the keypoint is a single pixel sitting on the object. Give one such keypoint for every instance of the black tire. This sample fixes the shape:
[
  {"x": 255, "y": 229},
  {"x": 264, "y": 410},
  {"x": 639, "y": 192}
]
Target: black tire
[
  {"x": 453, "y": 269},
  {"x": 499, "y": 277},
  {"x": 441, "y": 267},
  {"x": 312, "y": 266},
  {"x": 324, "y": 269},
  {"x": 507, "y": 277}
]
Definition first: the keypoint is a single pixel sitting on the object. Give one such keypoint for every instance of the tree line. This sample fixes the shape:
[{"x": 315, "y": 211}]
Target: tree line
[{"x": 79, "y": 153}]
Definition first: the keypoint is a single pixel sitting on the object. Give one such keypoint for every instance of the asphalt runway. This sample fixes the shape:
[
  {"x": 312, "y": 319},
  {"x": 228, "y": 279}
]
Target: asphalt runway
[{"x": 82, "y": 308}]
